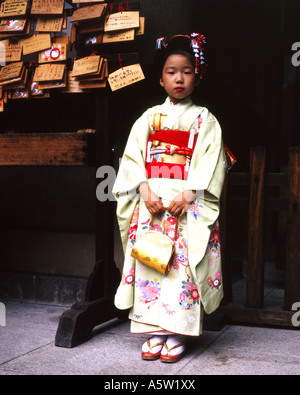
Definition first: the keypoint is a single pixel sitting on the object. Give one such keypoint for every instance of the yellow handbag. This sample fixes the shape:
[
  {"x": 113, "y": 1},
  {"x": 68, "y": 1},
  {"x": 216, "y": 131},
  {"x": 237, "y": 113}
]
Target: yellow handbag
[{"x": 155, "y": 250}]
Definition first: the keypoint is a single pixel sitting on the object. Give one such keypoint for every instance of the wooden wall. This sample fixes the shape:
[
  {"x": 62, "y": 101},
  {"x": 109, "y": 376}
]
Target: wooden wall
[{"x": 247, "y": 87}]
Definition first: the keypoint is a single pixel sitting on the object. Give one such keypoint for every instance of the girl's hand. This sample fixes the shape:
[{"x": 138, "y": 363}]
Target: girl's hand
[
  {"x": 152, "y": 201},
  {"x": 179, "y": 204}
]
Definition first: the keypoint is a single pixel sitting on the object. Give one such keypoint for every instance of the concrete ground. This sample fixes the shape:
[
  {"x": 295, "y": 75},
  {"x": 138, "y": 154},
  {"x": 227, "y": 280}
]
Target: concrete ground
[{"x": 27, "y": 348}]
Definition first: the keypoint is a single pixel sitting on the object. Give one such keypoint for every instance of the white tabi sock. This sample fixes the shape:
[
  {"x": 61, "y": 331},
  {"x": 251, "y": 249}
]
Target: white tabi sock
[
  {"x": 154, "y": 340},
  {"x": 171, "y": 342}
]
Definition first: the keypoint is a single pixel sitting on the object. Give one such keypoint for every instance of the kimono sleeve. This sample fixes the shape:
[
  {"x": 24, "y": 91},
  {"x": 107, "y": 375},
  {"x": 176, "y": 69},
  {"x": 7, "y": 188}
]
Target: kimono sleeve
[
  {"x": 208, "y": 165},
  {"x": 132, "y": 168},
  {"x": 131, "y": 174}
]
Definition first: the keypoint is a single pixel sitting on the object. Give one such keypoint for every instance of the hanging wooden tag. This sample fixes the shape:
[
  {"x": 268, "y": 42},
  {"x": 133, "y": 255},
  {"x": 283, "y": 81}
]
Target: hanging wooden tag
[
  {"x": 92, "y": 76},
  {"x": 10, "y": 51},
  {"x": 17, "y": 82},
  {"x": 54, "y": 84},
  {"x": 112, "y": 37},
  {"x": 56, "y": 53},
  {"x": 125, "y": 76},
  {"x": 122, "y": 20},
  {"x": 49, "y": 72},
  {"x": 86, "y": 66},
  {"x": 141, "y": 30},
  {"x": 19, "y": 34},
  {"x": 36, "y": 43},
  {"x": 48, "y": 7},
  {"x": 88, "y": 12},
  {"x": 14, "y": 8},
  {"x": 49, "y": 23},
  {"x": 12, "y": 25},
  {"x": 11, "y": 71}
]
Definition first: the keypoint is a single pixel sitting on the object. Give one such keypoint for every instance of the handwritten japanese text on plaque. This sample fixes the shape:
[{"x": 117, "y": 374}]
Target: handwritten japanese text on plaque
[
  {"x": 10, "y": 51},
  {"x": 49, "y": 7},
  {"x": 122, "y": 21},
  {"x": 127, "y": 76},
  {"x": 13, "y": 8},
  {"x": 36, "y": 43}
]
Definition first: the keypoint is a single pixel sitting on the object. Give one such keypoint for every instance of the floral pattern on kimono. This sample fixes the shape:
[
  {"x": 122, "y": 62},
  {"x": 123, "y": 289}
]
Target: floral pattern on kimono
[
  {"x": 189, "y": 296},
  {"x": 163, "y": 301},
  {"x": 213, "y": 252}
]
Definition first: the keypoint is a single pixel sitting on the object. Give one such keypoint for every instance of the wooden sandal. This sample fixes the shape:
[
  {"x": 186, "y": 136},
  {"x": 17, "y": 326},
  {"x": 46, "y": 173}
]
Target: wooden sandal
[
  {"x": 148, "y": 355},
  {"x": 171, "y": 358}
]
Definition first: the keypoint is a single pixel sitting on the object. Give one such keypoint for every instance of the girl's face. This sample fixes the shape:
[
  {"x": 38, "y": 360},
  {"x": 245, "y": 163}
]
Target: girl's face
[{"x": 178, "y": 77}]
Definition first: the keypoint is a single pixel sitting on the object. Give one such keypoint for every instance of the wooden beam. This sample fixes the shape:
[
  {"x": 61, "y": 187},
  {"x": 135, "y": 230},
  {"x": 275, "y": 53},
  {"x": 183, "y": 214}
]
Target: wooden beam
[
  {"x": 292, "y": 273},
  {"x": 255, "y": 269},
  {"x": 47, "y": 149},
  {"x": 268, "y": 315},
  {"x": 225, "y": 246}
]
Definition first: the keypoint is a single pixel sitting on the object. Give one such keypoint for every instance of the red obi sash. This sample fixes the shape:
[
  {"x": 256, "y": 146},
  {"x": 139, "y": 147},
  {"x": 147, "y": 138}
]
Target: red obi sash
[{"x": 161, "y": 168}]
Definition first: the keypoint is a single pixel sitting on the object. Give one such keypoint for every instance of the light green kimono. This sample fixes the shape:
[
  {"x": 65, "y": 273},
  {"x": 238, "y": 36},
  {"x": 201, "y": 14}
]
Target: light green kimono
[{"x": 173, "y": 302}]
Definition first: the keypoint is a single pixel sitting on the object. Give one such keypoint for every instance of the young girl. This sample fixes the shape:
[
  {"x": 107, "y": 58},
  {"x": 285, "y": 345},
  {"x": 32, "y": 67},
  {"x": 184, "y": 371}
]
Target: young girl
[{"x": 174, "y": 159}]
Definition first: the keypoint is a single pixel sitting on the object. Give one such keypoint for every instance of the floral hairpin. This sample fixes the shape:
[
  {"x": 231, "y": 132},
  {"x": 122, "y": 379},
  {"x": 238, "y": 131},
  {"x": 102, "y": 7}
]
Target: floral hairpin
[
  {"x": 161, "y": 42},
  {"x": 197, "y": 42}
]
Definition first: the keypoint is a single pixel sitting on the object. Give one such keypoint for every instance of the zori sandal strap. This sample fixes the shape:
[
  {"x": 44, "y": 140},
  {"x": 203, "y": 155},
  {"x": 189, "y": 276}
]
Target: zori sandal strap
[
  {"x": 148, "y": 355},
  {"x": 171, "y": 358}
]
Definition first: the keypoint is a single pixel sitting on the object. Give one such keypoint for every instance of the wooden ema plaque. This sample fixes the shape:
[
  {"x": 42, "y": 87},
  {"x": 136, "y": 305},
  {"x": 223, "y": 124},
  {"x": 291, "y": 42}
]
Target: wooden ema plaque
[
  {"x": 11, "y": 71},
  {"x": 57, "y": 53},
  {"x": 54, "y": 84},
  {"x": 18, "y": 82},
  {"x": 48, "y": 7},
  {"x": 10, "y": 51},
  {"x": 92, "y": 76},
  {"x": 112, "y": 37},
  {"x": 49, "y": 23},
  {"x": 49, "y": 72},
  {"x": 13, "y": 8},
  {"x": 12, "y": 25},
  {"x": 126, "y": 76},
  {"x": 36, "y": 43},
  {"x": 86, "y": 66},
  {"x": 122, "y": 21},
  {"x": 14, "y": 34},
  {"x": 87, "y": 13}
]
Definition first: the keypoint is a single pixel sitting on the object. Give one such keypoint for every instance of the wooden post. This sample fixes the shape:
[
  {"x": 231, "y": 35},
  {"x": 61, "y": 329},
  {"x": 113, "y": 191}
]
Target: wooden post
[
  {"x": 225, "y": 246},
  {"x": 255, "y": 270},
  {"x": 105, "y": 210},
  {"x": 292, "y": 274}
]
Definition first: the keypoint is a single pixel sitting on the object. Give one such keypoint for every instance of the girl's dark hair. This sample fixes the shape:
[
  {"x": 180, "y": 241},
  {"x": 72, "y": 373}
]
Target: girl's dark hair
[{"x": 176, "y": 46}]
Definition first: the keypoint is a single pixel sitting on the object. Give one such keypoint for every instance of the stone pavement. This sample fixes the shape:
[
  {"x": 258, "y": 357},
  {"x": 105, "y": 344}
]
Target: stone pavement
[{"x": 27, "y": 348}]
